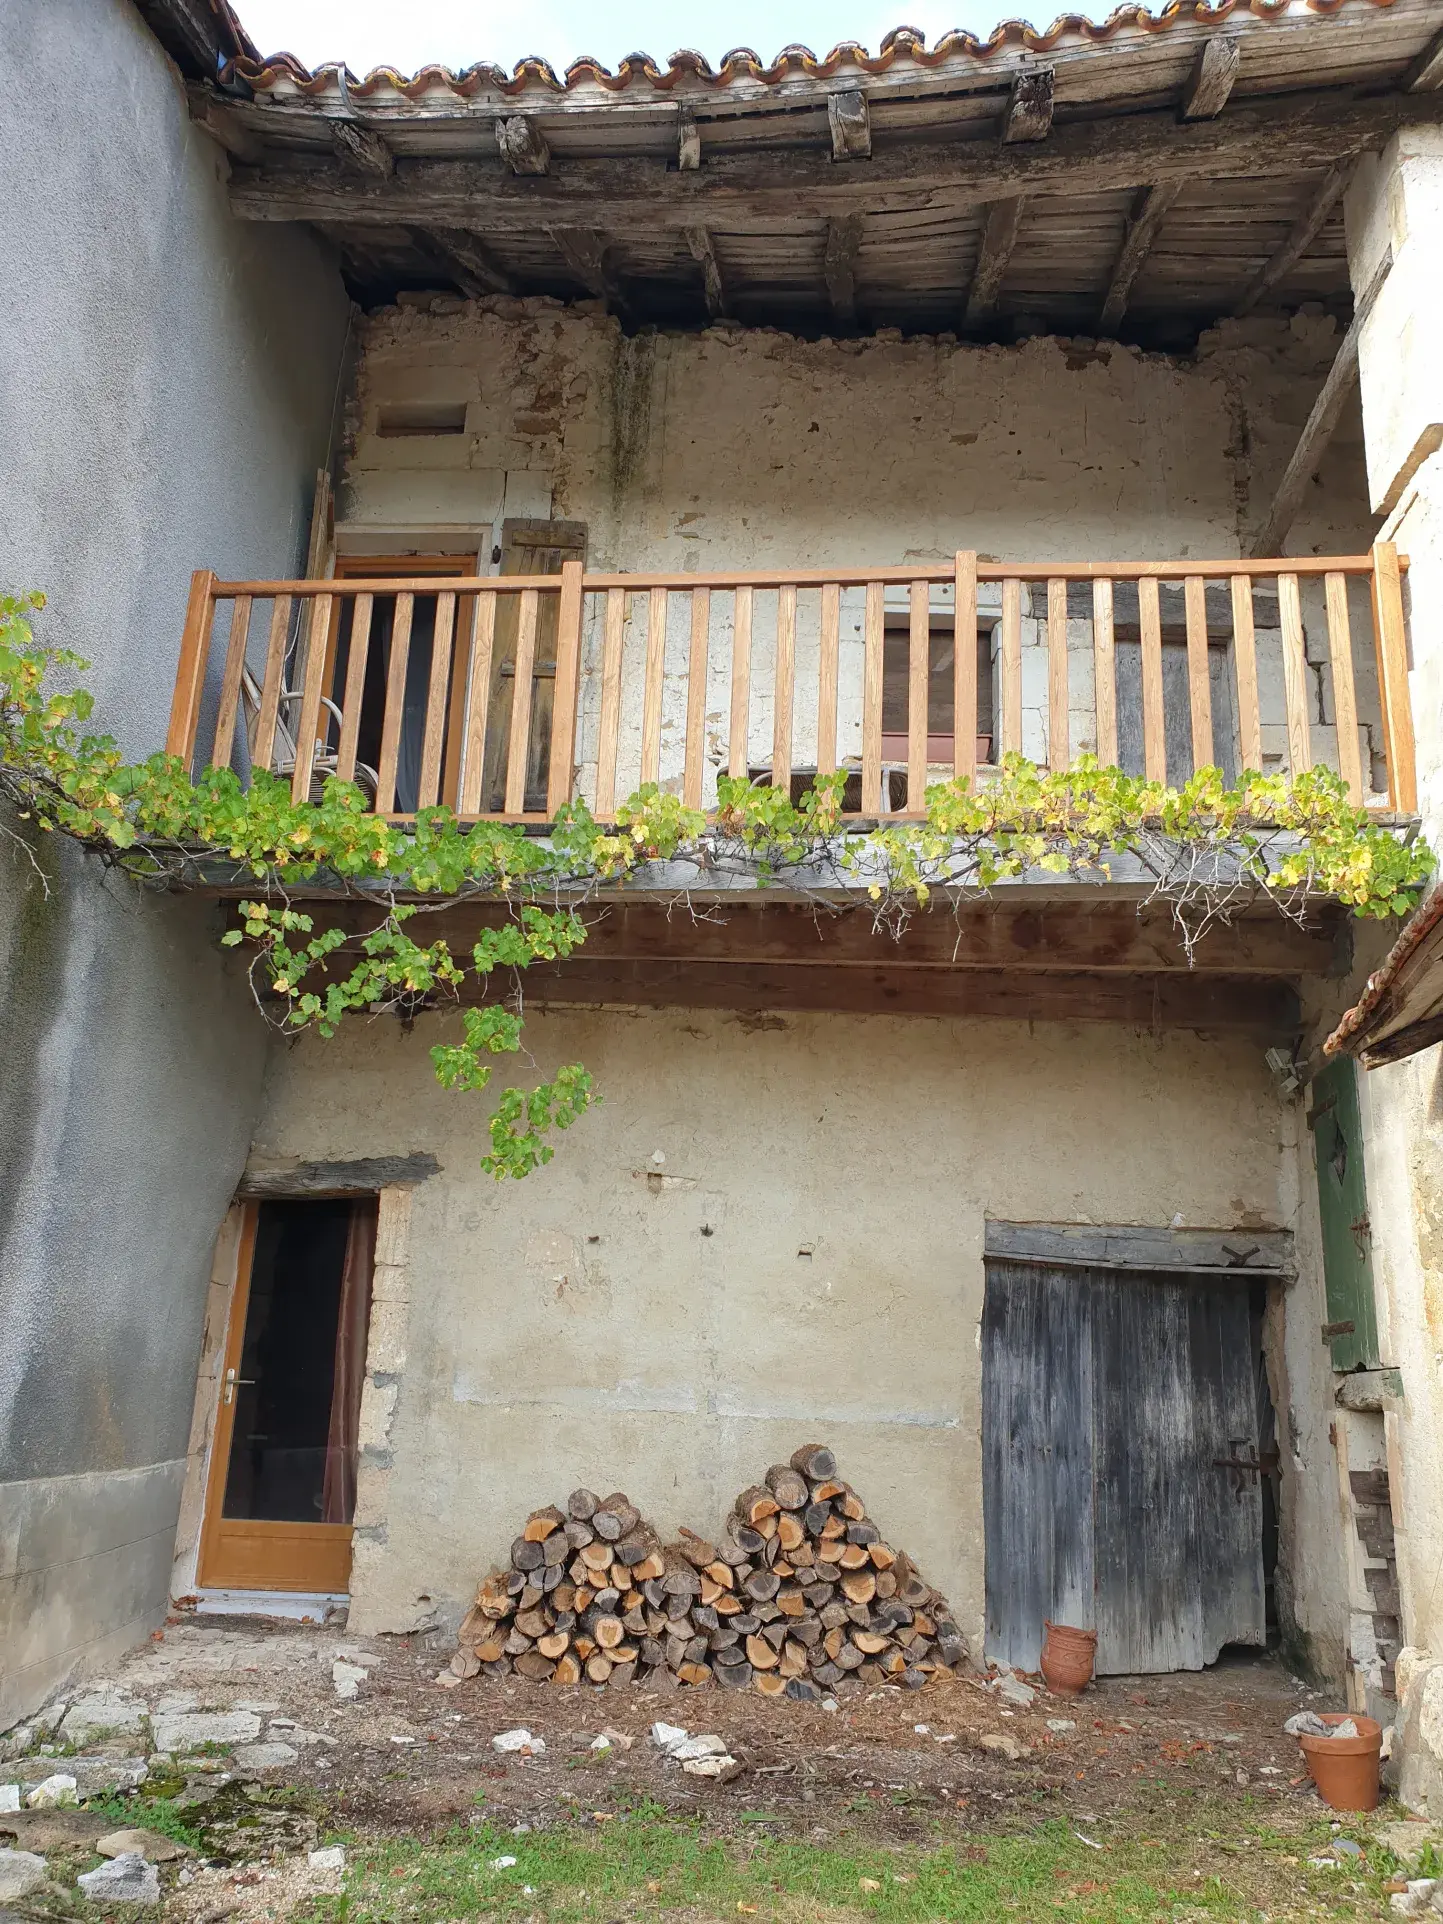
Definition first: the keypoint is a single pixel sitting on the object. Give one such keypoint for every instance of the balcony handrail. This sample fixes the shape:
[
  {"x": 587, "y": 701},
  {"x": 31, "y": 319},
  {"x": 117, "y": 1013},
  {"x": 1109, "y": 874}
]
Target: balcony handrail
[{"x": 476, "y": 736}]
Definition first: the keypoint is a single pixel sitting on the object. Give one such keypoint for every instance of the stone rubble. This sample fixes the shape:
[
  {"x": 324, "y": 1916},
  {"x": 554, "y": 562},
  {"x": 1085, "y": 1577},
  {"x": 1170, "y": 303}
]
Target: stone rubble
[
  {"x": 21, "y": 1873},
  {"x": 128, "y": 1879}
]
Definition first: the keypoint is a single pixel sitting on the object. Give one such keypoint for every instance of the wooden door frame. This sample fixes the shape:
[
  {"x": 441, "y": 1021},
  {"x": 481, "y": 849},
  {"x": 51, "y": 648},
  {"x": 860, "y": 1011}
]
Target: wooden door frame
[{"x": 319, "y": 1554}]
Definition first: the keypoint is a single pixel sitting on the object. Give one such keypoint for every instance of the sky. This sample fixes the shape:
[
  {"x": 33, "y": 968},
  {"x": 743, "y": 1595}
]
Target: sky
[{"x": 410, "y": 33}]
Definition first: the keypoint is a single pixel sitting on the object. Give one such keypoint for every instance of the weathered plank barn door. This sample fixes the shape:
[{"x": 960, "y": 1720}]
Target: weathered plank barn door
[{"x": 1120, "y": 1452}]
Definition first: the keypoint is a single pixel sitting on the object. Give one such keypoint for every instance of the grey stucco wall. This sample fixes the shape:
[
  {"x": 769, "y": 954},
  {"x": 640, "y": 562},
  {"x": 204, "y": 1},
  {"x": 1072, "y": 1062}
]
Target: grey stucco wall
[{"x": 167, "y": 387}]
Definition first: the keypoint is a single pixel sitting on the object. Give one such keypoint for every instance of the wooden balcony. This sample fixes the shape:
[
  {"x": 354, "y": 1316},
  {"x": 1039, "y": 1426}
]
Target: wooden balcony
[{"x": 504, "y": 697}]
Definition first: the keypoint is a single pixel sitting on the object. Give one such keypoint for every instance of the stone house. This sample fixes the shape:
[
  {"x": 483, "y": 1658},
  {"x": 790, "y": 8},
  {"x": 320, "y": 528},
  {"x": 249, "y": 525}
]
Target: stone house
[{"x": 880, "y": 415}]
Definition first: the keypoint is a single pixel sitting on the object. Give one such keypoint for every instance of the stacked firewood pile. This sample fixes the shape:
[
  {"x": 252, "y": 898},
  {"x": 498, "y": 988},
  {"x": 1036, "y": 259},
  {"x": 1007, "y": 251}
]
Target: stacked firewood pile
[{"x": 800, "y": 1595}]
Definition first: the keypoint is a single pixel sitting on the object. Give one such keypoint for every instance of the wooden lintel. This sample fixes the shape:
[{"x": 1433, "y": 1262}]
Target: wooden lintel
[
  {"x": 363, "y": 148},
  {"x": 1211, "y": 81},
  {"x": 1299, "y": 238},
  {"x": 703, "y": 252},
  {"x": 1143, "y": 224},
  {"x": 850, "y": 123},
  {"x": 688, "y": 141},
  {"x": 1308, "y": 133},
  {"x": 1227, "y": 1252},
  {"x": 1265, "y": 1009},
  {"x": 839, "y": 266},
  {"x": 364, "y": 1176},
  {"x": 1326, "y": 413},
  {"x": 999, "y": 237},
  {"x": 523, "y": 145},
  {"x": 471, "y": 265},
  {"x": 1071, "y": 938},
  {"x": 1029, "y": 106}
]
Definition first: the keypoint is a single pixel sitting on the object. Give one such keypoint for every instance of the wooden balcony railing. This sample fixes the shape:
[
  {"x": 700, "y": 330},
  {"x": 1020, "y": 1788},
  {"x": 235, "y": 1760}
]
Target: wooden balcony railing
[{"x": 506, "y": 696}]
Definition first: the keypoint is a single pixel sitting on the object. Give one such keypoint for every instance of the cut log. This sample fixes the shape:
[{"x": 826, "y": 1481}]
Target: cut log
[
  {"x": 541, "y": 1524},
  {"x": 802, "y": 1690},
  {"x": 635, "y": 1548},
  {"x": 860, "y": 1586},
  {"x": 834, "y": 1530},
  {"x": 814, "y": 1461},
  {"x": 695, "y": 1549},
  {"x": 721, "y": 1572},
  {"x": 516, "y": 1644},
  {"x": 607, "y": 1525},
  {"x": 578, "y": 1535},
  {"x": 794, "y": 1659},
  {"x": 584, "y": 1647},
  {"x": 870, "y": 1642},
  {"x": 826, "y": 1491},
  {"x": 830, "y": 1550},
  {"x": 854, "y": 1557},
  {"x": 863, "y": 1532},
  {"x": 760, "y": 1654},
  {"x": 622, "y": 1673},
  {"x": 567, "y": 1671},
  {"x": 581, "y": 1504},
  {"x": 727, "y": 1604},
  {"x": 636, "y": 1621},
  {"x": 762, "y": 1585},
  {"x": 491, "y": 1651},
  {"x": 596, "y": 1556},
  {"x": 598, "y": 1669},
  {"x": 465, "y": 1664},
  {"x": 653, "y": 1567},
  {"x": 788, "y": 1486},
  {"x": 832, "y": 1644},
  {"x": 723, "y": 1638},
  {"x": 530, "y": 1595},
  {"x": 525, "y": 1555},
  {"x": 732, "y": 1554},
  {"x": 738, "y": 1676},
  {"x": 767, "y": 1527},
  {"x": 533, "y": 1623},
  {"x": 704, "y": 1617},
  {"x": 695, "y": 1674},
  {"x": 832, "y": 1615},
  {"x": 609, "y": 1632},
  {"x": 727, "y": 1655},
  {"x": 803, "y": 1554},
  {"x": 750, "y": 1542},
  {"x": 770, "y": 1683},
  {"x": 853, "y": 1507},
  {"x": 790, "y": 1601},
  {"x": 696, "y": 1650},
  {"x": 554, "y": 1553},
  {"x": 850, "y": 1657},
  {"x": 790, "y": 1532},
  {"x": 886, "y": 1583},
  {"x": 681, "y": 1580},
  {"x": 619, "y": 1505},
  {"x": 534, "y": 1667},
  {"x": 710, "y": 1591},
  {"x": 755, "y": 1504},
  {"x": 882, "y": 1557}
]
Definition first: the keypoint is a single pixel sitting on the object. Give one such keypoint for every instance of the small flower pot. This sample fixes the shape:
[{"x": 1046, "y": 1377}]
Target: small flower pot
[
  {"x": 1068, "y": 1656},
  {"x": 1345, "y": 1769}
]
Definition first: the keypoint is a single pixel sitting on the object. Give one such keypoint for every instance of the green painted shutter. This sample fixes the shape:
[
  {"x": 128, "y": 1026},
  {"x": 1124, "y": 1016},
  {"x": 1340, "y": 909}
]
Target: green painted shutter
[{"x": 1343, "y": 1207}]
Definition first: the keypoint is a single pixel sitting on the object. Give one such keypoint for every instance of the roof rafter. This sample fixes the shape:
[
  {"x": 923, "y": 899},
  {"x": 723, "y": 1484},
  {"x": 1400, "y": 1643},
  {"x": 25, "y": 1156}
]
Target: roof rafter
[
  {"x": 999, "y": 237},
  {"x": 1143, "y": 226},
  {"x": 839, "y": 267},
  {"x": 1300, "y": 236},
  {"x": 703, "y": 252}
]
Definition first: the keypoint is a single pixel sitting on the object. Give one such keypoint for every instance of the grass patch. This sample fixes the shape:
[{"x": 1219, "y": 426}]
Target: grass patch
[
  {"x": 160, "y": 1814},
  {"x": 645, "y": 1865}
]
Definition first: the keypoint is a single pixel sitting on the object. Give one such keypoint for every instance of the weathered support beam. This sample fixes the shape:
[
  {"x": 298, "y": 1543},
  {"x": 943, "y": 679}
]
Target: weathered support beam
[
  {"x": 1300, "y": 236},
  {"x": 839, "y": 266},
  {"x": 999, "y": 237},
  {"x": 1143, "y": 225},
  {"x": 1029, "y": 109},
  {"x": 472, "y": 267},
  {"x": 1211, "y": 81},
  {"x": 1312, "y": 132},
  {"x": 363, "y": 148},
  {"x": 1318, "y": 429},
  {"x": 1426, "y": 72},
  {"x": 363, "y": 1176},
  {"x": 523, "y": 145},
  {"x": 851, "y": 125},
  {"x": 584, "y": 252},
  {"x": 688, "y": 141},
  {"x": 699, "y": 241},
  {"x": 236, "y": 134}
]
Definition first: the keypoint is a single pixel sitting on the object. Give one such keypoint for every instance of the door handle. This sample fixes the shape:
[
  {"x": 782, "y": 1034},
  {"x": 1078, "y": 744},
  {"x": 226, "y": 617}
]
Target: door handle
[{"x": 233, "y": 1383}]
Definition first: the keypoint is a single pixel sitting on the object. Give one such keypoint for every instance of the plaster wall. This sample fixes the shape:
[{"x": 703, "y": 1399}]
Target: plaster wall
[
  {"x": 166, "y": 395},
  {"x": 771, "y": 1230},
  {"x": 739, "y": 448}
]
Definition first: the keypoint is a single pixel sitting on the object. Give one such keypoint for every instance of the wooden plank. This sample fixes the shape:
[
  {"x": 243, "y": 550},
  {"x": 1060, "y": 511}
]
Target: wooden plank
[
  {"x": 1327, "y": 411},
  {"x": 483, "y": 642},
  {"x": 1345, "y": 704},
  {"x": 964, "y": 667},
  {"x": 230, "y": 687},
  {"x": 839, "y": 266},
  {"x": 351, "y": 701},
  {"x": 1144, "y": 223},
  {"x": 1214, "y": 70},
  {"x": 518, "y": 739},
  {"x": 394, "y": 711},
  {"x": 1154, "y": 730},
  {"x": 1012, "y": 666},
  {"x": 738, "y": 745},
  {"x": 1295, "y": 675},
  {"x": 1391, "y": 639},
  {"x": 429, "y": 790},
  {"x": 190, "y": 673},
  {"x": 1199, "y": 678},
  {"x": 1255, "y": 139},
  {"x": 1300, "y": 236},
  {"x": 919, "y": 663},
  {"x": 1104, "y": 673},
  {"x": 1059, "y": 746},
  {"x": 784, "y": 687},
  {"x": 263, "y": 747},
  {"x": 999, "y": 238},
  {"x": 1245, "y": 668},
  {"x": 361, "y": 1177},
  {"x": 308, "y": 726},
  {"x": 654, "y": 686},
  {"x": 695, "y": 764},
  {"x": 566, "y": 695},
  {"x": 872, "y": 645},
  {"x": 1266, "y": 1252},
  {"x": 828, "y": 646},
  {"x": 609, "y": 734},
  {"x": 456, "y": 701}
]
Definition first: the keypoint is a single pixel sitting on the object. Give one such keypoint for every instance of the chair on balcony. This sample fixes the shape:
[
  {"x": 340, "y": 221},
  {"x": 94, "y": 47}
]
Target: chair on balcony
[{"x": 284, "y": 753}]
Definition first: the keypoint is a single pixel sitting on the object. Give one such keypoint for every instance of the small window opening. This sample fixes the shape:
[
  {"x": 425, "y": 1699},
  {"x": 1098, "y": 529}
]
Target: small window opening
[{"x": 421, "y": 417}]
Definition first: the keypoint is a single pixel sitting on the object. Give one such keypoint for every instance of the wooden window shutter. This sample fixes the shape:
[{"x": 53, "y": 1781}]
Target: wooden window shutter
[{"x": 1337, "y": 1127}]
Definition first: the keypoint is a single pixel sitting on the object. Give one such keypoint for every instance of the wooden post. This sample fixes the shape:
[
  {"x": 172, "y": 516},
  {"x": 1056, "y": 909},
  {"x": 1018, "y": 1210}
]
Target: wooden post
[
  {"x": 567, "y": 690},
  {"x": 1104, "y": 672},
  {"x": 828, "y": 645},
  {"x": 190, "y": 673},
  {"x": 483, "y": 642},
  {"x": 319, "y": 625},
  {"x": 1154, "y": 727},
  {"x": 1345, "y": 705},
  {"x": 355, "y": 686},
  {"x": 436, "y": 694},
  {"x": 230, "y": 688},
  {"x": 1059, "y": 745},
  {"x": 1245, "y": 668},
  {"x": 1199, "y": 678},
  {"x": 654, "y": 686},
  {"x": 872, "y": 699},
  {"x": 395, "y": 702},
  {"x": 964, "y": 667},
  {"x": 518, "y": 738},
  {"x": 783, "y": 687},
  {"x": 1011, "y": 666},
  {"x": 609, "y": 734},
  {"x": 1295, "y": 675},
  {"x": 919, "y": 663},
  {"x": 263, "y": 747},
  {"x": 737, "y": 747},
  {"x": 1390, "y": 634}
]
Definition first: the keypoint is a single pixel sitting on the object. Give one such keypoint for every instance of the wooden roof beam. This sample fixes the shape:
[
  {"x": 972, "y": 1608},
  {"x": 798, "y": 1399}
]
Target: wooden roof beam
[
  {"x": 850, "y": 123},
  {"x": 999, "y": 237},
  {"x": 1300, "y": 237},
  {"x": 688, "y": 141},
  {"x": 1214, "y": 70},
  {"x": 585, "y": 254},
  {"x": 1327, "y": 411},
  {"x": 1149, "y": 210},
  {"x": 523, "y": 145},
  {"x": 703, "y": 252},
  {"x": 1426, "y": 72},
  {"x": 362, "y": 147},
  {"x": 839, "y": 267},
  {"x": 1029, "y": 108},
  {"x": 1249, "y": 141},
  {"x": 471, "y": 266}
]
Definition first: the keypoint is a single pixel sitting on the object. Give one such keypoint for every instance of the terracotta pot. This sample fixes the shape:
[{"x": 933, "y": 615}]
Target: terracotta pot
[
  {"x": 1067, "y": 1658},
  {"x": 1345, "y": 1769}
]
